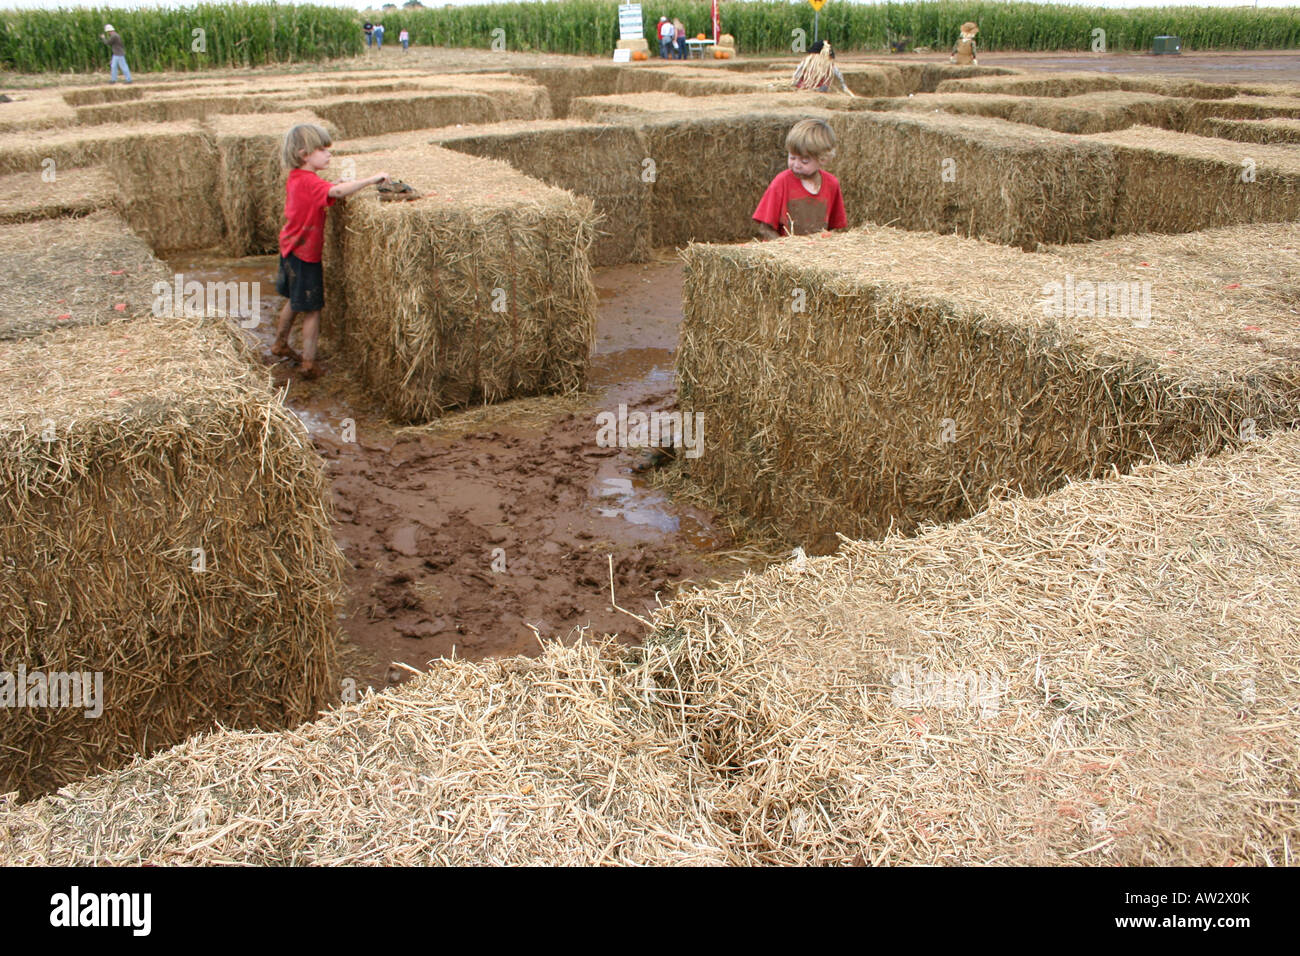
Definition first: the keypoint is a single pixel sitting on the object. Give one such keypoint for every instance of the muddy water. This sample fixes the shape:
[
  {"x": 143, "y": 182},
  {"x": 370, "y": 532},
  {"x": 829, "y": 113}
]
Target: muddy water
[{"x": 477, "y": 544}]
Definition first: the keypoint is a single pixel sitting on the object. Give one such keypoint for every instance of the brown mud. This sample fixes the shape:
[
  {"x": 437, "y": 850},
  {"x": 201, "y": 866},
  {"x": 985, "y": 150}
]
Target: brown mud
[{"x": 479, "y": 534}]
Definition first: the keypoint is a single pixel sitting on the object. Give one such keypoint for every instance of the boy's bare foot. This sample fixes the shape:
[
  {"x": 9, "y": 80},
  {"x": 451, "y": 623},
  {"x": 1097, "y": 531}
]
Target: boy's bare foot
[
  {"x": 282, "y": 350},
  {"x": 310, "y": 370}
]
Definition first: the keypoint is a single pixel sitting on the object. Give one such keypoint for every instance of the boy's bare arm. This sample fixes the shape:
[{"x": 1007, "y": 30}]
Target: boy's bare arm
[
  {"x": 343, "y": 190},
  {"x": 767, "y": 232}
]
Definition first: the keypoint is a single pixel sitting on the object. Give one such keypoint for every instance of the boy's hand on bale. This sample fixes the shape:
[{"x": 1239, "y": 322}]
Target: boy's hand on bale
[{"x": 379, "y": 178}]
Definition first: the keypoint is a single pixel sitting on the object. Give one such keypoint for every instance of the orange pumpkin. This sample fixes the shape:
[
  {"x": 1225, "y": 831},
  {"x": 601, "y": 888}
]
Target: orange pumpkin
[
  {"x": 640, "y": 55},
  {"x": 699, "y": 36},
  {"x": 722, "y": 54}
]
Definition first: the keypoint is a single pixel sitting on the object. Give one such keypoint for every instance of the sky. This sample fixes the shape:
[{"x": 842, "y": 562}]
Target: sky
[{"x": 52, "y": 4}]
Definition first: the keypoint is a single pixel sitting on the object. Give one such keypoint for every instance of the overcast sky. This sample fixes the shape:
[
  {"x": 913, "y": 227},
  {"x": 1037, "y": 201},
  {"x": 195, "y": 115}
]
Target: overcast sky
[{"x": 53, "y": 4}]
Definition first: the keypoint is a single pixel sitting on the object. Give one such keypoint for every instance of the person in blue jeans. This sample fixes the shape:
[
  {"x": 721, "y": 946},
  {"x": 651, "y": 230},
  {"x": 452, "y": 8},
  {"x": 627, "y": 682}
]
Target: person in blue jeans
[
  {"x": 113, "y": 40},
  {"x": 379, "y": 35},
  {"x": 665, "y": 37},
  {"x": 368, "y": 29}
]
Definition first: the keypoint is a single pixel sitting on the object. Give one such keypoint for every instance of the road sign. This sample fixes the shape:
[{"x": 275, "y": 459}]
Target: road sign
[{"x": 817, "y": 4}]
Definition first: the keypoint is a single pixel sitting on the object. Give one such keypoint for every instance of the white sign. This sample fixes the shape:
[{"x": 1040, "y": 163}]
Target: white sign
[
  {"x": 622, "y": 56},
  {"x": 629, "y": 22}
]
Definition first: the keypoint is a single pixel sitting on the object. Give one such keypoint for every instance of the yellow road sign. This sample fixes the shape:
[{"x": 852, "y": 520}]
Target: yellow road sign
[{"x": 817, "y": 4}]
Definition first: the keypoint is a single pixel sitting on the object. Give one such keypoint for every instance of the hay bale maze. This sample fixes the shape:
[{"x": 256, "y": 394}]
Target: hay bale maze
[
  {"x": 1043, "y": 397},
  {"x": 1100, "y": 676},
  {"x": 478, "y": 291},
  {"x": 164, "y": 526},
  {"x": 861, "y": 382}
]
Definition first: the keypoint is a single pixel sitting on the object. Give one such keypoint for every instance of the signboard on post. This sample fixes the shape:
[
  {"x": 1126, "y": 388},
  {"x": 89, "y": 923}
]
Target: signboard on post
[
  {"x": 629, "y": 22},
  {"x": 817, "y": 4},
  {"x": 817, "y": 16}
]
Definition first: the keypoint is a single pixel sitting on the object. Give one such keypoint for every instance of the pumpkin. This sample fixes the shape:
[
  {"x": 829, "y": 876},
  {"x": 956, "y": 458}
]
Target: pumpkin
[
  {"x": 722, "y": 54},
  {"x": 640, "y": 55},
  {"x": 699, "y": 36}
]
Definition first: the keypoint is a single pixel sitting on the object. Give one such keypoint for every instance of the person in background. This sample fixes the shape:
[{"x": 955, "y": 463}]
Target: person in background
[
  {"x": 306, "y": 198},
  {"x": 666, "y": 34},
  {"x": 679, "y": 33},
  {"x": 803, "y": 199},
  {"x": 379, "y": 36},
  {"x": 963, "y": 52},
  {"x": 817, "y": 71},
  {"x": 405, "y": 39},
  {"x": 113, "y": 40},
  {"x": 368, "y": 29}
]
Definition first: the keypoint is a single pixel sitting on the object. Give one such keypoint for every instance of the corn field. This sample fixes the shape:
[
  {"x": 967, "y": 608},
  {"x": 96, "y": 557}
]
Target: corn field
[
  {"x": 261, "y": 33},
  {"x": 766, "y": 26},
  {"x": 35, "y": 41}
]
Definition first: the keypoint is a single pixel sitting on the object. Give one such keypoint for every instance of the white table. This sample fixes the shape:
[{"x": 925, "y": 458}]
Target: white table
[{"x": 696, "y": 47}]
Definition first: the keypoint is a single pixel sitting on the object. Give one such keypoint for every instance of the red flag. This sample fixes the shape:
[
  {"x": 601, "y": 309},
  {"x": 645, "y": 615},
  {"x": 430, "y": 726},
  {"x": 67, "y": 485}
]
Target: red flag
[{"x": 715, "y": 21}]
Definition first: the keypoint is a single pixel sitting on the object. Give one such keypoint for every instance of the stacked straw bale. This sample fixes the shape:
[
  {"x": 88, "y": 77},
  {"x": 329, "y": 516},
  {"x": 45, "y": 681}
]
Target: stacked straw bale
[
  {"x": 125, "y": 448},
  {"x": 478, "y": 291},
  {"x": 1277, "y": 130},
  {"x": 88, "y": 95},
  {"x": 1005, "y": 182},
  {"x": 75, "y": 192},
  {"x": 166, "y": 173},
  {"x": 1121, "y": 684},
  {"x": 35, "y": 109},
  {"x": 1177, "y": 182},
  {"x": 65, "y": 273},
  {"x": 1105, "y": 676},
  {"x": 924, "y": 373},
  {"x": 1072, "y": 84},
  {"x": 603, "y": 163},
  {"x": 1083, "y": 113},
  {"x": 356, "y": 116}
]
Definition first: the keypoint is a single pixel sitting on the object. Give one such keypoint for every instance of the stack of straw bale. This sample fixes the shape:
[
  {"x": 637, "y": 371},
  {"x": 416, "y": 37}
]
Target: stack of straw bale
[
  {"x": 478, "y": 291},
  {"x": 66, "y": 273},
  {"x": 1177, "y": 182},
  {"x": 1103, "y": 676},
  {"x": 1072, "y": 84},
  {"x": 1083, "y": 113},
  {"x": 1276, "y": 130},
  {"x": 35, "y": 109},
  {"x": 165, "y": 523},
  {"x": 76, "y": 192},
  {"x": 604, "y": 163},
  {"x": 924, "y": 373},
  {"x": 356, "y": 116}
]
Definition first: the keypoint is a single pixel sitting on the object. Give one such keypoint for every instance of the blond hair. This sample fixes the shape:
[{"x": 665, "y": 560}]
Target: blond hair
[
  {"x": 301, "y": 141},
  {"x": 812, "y": 138}
]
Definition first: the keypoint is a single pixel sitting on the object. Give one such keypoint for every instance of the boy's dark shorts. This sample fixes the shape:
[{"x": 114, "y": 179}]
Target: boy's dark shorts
[{"x": 302, "y": 283}]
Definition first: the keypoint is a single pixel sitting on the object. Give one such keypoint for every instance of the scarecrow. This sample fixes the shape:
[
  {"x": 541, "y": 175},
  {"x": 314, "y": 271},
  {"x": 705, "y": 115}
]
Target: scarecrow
[
  {"x": 963, "y": 52},
  {"x": 817, "y": 71}
]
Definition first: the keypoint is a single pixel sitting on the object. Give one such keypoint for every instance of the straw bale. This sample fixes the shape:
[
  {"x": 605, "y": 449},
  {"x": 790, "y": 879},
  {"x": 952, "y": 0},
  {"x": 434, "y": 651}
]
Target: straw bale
[
  {"x": 100, "y": 94},
  {"x": 252, "y": 178},
  {"x": 521, "y": 761},
  {"x": 124, "y": 448},
  {"x": 166, "y": 175},
  {"x": 35, "y": 109},
  {"x": 920, "y": 77},
  {"x": 563, "y": 83},
  {"x": 1177, "y": 182},
  {"x": 1276, "y": 130},
  {"x": 478, "y": 291},
  {"x": 1072, "y": 84},
  {"x": 1010, "y": 183},
  {"x": 357, "y": 116},
  {"x": 76, "y": 192},
  {"x": 1105, "y": 676},
  {"x": 1084, "y": 113},
  {"x": 603, "y": 163},
  {"x": 924, "y": 372},
  {"x": 72, "y": 272},
  {"x": 170, "y": 109},
  {"x": 1200, "y": 113}
]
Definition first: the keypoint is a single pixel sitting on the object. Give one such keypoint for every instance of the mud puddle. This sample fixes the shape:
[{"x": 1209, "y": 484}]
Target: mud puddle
[{"x": 478, "y": 540}]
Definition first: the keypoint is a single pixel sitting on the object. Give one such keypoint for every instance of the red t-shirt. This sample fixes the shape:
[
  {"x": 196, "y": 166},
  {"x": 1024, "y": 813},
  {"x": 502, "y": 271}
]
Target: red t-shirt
[
  {"x": 792, "y": 210},
  {"x": 306, "y": 197}
]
